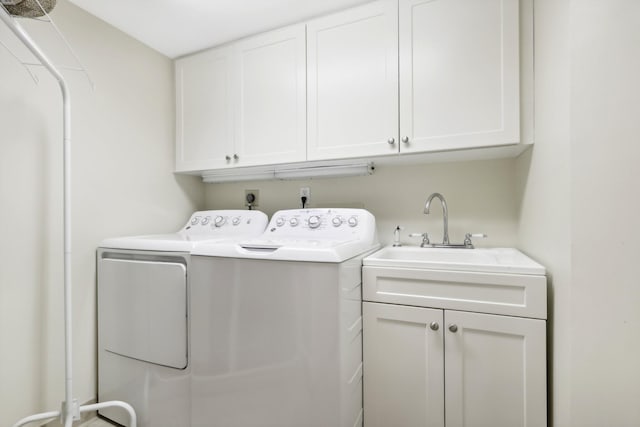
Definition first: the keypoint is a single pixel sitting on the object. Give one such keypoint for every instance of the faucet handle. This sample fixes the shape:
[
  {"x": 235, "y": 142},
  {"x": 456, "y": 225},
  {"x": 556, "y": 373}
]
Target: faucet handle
[
  {"x": 425, "y": 238},
  {"x": 467, "y": 238}
]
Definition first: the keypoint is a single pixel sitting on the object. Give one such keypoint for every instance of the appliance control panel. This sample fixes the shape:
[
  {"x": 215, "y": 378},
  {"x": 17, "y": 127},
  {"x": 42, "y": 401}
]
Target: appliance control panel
[
  {"x": 223, "y": 221},
  {"x": 336, "y": 224}
]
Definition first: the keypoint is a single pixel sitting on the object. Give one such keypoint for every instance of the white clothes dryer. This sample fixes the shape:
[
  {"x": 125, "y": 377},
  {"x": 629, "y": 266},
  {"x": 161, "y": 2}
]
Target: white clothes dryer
[
  {"x": 277, "y": 323},
  {"x": 144, "y": 315}
]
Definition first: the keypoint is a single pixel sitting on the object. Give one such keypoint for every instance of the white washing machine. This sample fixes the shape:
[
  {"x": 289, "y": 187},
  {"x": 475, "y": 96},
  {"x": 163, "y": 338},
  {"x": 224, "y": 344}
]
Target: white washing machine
[
  {"x": 276, "y": 323},
  {"x": 143, "y": 316}
]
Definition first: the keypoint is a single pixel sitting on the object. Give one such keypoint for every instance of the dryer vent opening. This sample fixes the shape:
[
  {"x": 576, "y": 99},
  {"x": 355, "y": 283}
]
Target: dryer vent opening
[{"x": 28, "y": 8}]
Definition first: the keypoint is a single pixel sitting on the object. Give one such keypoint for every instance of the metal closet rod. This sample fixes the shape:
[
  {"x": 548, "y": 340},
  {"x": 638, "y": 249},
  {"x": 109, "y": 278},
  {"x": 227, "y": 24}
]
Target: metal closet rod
[{"x": 70, "y": 409}]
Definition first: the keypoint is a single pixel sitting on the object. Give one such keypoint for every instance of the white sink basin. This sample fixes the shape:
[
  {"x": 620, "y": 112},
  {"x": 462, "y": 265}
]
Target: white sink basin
[{"x": 491, "y": 260}]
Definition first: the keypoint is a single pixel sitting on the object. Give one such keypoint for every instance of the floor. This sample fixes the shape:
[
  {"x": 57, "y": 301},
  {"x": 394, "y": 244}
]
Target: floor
[{"x": 96, "y": 422}]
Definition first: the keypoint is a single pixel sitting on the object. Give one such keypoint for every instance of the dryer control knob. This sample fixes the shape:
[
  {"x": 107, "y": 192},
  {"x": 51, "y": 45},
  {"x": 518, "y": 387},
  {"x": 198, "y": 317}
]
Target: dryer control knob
[
  {"x": 219, "y": 221},
  {"x": 280, "y": 222},
  {"x": 314, "y": 221},
  {"x": 294, "y": 222},
  {"x": 337, "y": 221},
  {"x": 353, "y": 221},
  {"x": 195, "y": 220},
  {"x": 236, "y": 220},
  {"x": 206, "y": 220}
]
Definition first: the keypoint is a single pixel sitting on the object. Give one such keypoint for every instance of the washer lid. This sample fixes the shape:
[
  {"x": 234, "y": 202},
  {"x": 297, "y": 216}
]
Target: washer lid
[
  {"x": 316, "y": 250},
  {"x": 319, "y": 235}
]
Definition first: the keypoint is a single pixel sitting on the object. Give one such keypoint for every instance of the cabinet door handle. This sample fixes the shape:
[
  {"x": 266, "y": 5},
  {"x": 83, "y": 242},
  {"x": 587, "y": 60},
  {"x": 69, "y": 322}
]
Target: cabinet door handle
[
  {"x": 236, "y": 157},
  {"x": 228, "y": 158},
  {"x": 391, "y": 141},
  {"x": 434, "y": 326},
  {"x": 453, "y": 328},
  {"x": 405, "y": 139}
]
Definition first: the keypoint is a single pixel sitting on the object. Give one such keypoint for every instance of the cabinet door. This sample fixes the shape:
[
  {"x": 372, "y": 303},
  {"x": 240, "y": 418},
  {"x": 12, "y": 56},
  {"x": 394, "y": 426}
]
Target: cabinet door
[
  {"x": 459, "y": 74},
  {"x": 495, "y": 371},
  {"x": 402, "y": 366},
  {"x": 353, "y": 82},
  {"x": 204, "y": 125},
  {"x": 270, "y": 84}
]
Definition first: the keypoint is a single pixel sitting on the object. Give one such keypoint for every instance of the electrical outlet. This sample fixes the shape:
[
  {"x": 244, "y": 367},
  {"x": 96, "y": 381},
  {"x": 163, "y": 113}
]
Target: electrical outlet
[
  {"x": 251, "y": 198},
  {"x": 305, "y": 192}
]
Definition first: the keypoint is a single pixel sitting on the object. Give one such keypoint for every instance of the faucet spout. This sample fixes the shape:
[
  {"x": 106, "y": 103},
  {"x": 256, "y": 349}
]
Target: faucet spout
[{"x": 445, "y": 214}]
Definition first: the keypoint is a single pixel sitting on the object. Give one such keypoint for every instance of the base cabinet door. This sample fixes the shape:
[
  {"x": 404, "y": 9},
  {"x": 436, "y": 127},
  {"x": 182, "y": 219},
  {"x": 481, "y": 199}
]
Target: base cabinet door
[
  {"x": 422, "y": 366},
  {"x": 495, "y": 370},
  {"x": 402, "y": 366}
]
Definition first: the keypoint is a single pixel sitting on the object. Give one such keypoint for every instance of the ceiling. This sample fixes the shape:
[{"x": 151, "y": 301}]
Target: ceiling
[{"x": 179, "y": 27}]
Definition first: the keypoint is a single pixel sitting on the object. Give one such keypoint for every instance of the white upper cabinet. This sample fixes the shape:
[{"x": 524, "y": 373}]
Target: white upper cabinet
[
  {"x": 459, "y": 74},
  {"x": 443, "y": 72},
  {"x": 204, "y": 121},
  {"x": 243, "y": 104},
  {"x": 352, "y": 78},
  {"x": 385, "y": 78},
  {"x": 270, "y": 97}
]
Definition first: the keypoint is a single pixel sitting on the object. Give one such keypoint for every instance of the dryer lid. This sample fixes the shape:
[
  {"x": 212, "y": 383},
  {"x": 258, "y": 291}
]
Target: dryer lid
[{"x": 214, "y": 225}]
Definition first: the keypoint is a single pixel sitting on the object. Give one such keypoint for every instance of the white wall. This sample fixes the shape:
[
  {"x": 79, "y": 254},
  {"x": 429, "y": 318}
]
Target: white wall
[
  {"x": 544, "y": 179},
  {"x": 579, "y": 207},
  {"x": 605, "y": 181},
  {"x": 122, "y": 184},
  {"x": 481, "y": 197}
]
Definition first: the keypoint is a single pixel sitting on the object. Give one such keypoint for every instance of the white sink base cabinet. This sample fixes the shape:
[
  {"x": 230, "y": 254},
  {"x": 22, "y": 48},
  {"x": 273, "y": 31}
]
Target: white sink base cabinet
[
  {"x": 490, "y": 372},
  {"x": 403, "y": 367}
]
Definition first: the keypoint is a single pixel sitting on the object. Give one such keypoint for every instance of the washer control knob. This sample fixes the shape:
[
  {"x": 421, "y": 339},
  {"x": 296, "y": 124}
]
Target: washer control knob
[
  {"x": 337, "y": 221},
  {"x": 314, "y": 221},
  {"x": 195, "y": 220},
  {"x": 353, "y": 221},
  {"x": 236, "y": 220},
  {"x": 206, "y": 220},
  {"x": 219, "y": 221},
  {"x": 280, "y": 222},
  {"x": 294, "y": 222}
]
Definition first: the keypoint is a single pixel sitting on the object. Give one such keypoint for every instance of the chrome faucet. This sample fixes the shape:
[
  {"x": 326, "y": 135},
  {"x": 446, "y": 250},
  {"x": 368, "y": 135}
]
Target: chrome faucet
[{"x": 445, "y": 214}]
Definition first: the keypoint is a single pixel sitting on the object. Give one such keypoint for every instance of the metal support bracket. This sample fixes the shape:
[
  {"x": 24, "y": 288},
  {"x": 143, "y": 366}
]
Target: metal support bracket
[{"x": 73, "y": 408}]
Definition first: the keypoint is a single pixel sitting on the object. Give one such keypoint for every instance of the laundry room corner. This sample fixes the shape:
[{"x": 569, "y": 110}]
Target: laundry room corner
[{"x": 122, "y": 162}]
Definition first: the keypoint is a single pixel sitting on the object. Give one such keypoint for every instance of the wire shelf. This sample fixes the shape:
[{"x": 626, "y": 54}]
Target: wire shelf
[{"x": 41, "y": 29}]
